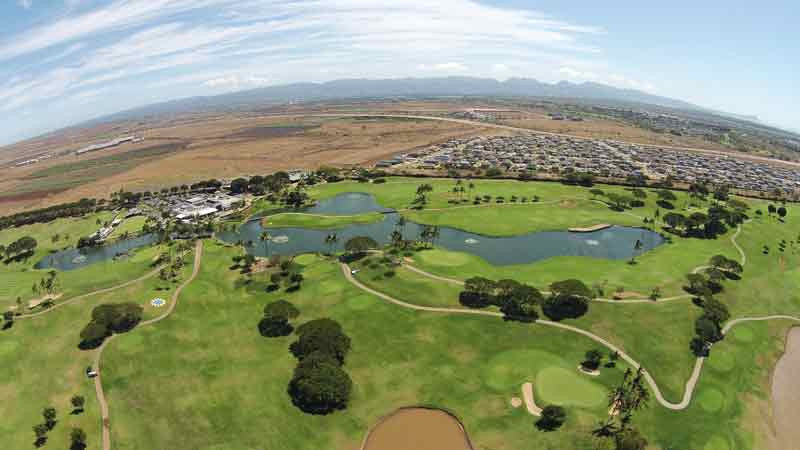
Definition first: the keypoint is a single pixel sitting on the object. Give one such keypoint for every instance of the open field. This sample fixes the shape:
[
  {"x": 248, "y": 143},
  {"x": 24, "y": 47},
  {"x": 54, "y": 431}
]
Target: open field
[
  {"x": 184, "y": 151},
  {"x": 205, "y": 378}
]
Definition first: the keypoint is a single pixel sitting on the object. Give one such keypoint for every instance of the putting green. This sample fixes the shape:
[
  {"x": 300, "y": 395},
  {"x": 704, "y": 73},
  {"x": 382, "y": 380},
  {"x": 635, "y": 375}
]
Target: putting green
[
  {"x": 507, "y": 371},
  {"x": 436, "y": 257},
  {"x": 559, "y": 386},
  {"x": 711, "y": 399}
]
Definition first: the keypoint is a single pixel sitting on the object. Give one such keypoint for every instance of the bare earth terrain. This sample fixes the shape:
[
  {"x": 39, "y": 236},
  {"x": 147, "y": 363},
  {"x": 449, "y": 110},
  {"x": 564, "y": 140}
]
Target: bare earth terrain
[
  {"x": 218, "y": 147},
  {"x": 786, "y": 395}
]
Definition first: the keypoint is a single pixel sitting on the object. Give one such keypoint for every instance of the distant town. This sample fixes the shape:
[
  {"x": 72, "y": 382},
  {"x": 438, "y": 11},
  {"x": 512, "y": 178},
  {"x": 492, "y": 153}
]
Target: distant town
[{"x": 607, "y": 159}]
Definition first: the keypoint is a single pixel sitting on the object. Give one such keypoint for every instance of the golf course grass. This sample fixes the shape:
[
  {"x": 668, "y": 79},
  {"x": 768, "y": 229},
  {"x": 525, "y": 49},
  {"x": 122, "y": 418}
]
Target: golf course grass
[{"x": 205, "y": 378}]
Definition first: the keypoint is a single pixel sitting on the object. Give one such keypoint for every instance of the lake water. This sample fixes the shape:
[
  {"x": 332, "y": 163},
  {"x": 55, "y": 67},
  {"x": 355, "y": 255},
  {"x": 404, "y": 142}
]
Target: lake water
[
  {"x": 610, "y": 243},
  {"x": 76, "y": 258}
]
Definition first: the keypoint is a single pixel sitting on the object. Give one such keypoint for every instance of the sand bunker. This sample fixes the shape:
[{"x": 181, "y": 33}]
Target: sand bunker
[
  {"x": 516, "y": 402},
  {"x": 594, "y": 373},
  {"x": 418, "y": 429},
  {"x": 786, "y": 393},
  {"x": 527, "y": 394}
]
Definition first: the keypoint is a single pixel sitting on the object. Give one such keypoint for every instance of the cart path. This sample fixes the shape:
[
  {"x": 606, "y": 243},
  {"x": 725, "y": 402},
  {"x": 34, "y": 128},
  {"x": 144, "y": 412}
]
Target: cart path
[
  {"x": 97, "y": 292},
  {"x": 697, "y": 269},
  {"x": 690, "y": 383},
  {"x": 98, "y": 383}
]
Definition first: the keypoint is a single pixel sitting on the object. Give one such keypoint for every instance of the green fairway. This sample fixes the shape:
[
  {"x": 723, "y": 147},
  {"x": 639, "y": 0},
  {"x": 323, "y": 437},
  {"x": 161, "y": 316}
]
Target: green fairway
[
  {"x": 317, "y": 221},
  {"x": 44, "y": 367},
  {"x": 204, "y": 378}
]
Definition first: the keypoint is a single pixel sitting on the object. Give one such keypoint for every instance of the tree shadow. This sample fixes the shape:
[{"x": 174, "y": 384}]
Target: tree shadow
[{"x": 40, "y": 441}]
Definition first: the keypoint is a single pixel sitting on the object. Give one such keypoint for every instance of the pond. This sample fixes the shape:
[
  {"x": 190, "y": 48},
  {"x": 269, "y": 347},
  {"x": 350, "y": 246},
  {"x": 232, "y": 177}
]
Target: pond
[
  {"x": 75, "y": 258},
  {"x": 418, "y": 429},
  {"x": 610, "y": 243}
]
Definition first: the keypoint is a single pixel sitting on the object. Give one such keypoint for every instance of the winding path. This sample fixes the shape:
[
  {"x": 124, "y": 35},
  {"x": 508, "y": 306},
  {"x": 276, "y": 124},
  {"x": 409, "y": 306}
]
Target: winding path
[
  {"x": 98, "y": 383},
  {"x": 690, "y": 383},
  {"x": 97, "y": 292}
]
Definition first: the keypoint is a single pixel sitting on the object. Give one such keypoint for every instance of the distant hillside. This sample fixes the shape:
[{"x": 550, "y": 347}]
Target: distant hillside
[{"x": 405, "y": 87}]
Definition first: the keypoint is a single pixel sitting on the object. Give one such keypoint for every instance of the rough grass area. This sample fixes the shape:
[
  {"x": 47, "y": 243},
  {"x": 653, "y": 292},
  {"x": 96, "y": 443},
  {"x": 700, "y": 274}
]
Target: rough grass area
[{"x": 43, "y": 367}]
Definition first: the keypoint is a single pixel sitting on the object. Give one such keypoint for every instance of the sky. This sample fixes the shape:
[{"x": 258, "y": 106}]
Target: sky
[{"x": 66, "y": 61}]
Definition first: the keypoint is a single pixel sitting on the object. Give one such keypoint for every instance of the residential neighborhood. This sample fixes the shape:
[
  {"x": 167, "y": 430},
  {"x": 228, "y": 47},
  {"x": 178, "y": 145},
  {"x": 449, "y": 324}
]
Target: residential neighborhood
[{"x": 556, "y": 154}]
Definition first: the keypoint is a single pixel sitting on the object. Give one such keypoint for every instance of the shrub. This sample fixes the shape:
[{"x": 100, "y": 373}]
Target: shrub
[
  {"x": 108, "y": 319},
  {"x": 665, "y": 204},
  {"x": 274, "y": 326},
  {"x": 320, "y": 388},
  {"x": 571, "y": 286},
  {"x": 473, "y": 299},
  {"x": 553, "y": 417},
  {"x": 565, "y": 306},
  {"x": 321, "y": 335},
  {"x": 281, "y": 308}
]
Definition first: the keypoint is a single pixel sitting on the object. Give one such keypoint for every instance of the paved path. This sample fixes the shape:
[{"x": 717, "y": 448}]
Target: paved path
[
  {"x": 98, "y": 383},
  {"x": 690, "y": 383},
  {"x": 98, "y": 292}
]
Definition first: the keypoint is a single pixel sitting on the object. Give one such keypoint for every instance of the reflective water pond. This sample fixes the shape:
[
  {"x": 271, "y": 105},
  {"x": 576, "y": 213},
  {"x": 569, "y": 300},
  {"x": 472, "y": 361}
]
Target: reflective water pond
[
  {"x": 610, "y": 243},
  {"x": 75, "y": 258}
]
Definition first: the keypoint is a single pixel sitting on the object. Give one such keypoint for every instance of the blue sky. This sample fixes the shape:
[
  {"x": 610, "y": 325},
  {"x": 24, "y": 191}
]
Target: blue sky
[{"x": 66, "y": 61}]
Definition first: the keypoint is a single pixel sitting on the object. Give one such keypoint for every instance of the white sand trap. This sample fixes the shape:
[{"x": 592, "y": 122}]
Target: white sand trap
[
  {"x": 516, "y": 402},
  {"x": 592, "y": 373},
  {"x": 527, "y": 394}
]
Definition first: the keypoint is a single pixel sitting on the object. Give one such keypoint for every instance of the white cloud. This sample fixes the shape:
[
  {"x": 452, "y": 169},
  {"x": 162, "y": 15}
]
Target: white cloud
[
  {"x": 574, "y": 74},
  {"x": 612, "y": 79},
  {"x": 217, "y": 45},
  {"x": 235, "y": 82},
  {"x": 27, "y": 4},
  {"x": 443, "y": 67}
]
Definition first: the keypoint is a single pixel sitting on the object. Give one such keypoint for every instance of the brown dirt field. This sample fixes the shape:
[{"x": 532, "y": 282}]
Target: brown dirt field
[
  {"x": 418, "y": 429},
  {"x": 261, "y": 145}
]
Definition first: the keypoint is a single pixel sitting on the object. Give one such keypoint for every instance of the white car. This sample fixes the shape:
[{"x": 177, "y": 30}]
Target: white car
[{"x": 354, "y": 271}]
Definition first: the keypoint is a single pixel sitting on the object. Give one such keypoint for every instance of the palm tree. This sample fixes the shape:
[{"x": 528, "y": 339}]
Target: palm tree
[
  {"x": 265, "y": 238},
  {"x": 331, "y": 240}
]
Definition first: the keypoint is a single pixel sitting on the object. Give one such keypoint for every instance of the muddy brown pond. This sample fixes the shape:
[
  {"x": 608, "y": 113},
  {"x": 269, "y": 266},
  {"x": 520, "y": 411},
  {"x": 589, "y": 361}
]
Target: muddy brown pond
[{"x": 418, "y": 429}]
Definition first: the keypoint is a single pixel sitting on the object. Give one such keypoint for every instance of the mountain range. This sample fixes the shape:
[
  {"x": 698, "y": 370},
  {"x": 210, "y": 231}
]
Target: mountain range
[{"x": 403, "y": 87}]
